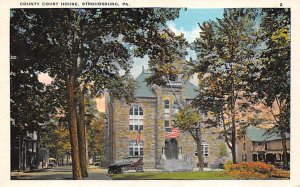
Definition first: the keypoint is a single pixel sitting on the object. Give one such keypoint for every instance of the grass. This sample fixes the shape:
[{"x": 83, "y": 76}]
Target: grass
[{"x": 209, "y": 175}]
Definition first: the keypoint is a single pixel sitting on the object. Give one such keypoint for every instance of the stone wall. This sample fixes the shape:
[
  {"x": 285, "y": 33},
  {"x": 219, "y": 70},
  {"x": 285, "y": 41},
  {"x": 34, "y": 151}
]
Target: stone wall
[
  {"x": 123, "y": 135},
  {"x": 240, "y": 148},
  {"x": 277, "y": 145}
]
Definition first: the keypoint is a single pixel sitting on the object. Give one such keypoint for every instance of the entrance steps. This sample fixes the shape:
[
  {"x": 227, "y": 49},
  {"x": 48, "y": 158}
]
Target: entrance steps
[{"x": 177, "y": 165}]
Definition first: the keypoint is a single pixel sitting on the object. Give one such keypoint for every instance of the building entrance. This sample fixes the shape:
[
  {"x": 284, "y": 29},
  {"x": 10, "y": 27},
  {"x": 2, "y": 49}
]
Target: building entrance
[{"x": 171, "y": 148}]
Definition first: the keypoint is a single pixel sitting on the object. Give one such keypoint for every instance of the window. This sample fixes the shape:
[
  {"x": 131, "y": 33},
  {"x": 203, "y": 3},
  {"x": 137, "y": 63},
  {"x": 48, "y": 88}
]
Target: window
[
  {"x": 167, "y": 109},
  {"x": 166, "y": 104},
  {"x": 204, "y": 147},
  {"x": 266, "y": 145},
  {"x": 136, "y": 150},
  {"x": 135, "y": 118},
  {"x": 176, "y": 107},
  {"x": 167, "y": 126},
  {"x": 244, "y": 146}
]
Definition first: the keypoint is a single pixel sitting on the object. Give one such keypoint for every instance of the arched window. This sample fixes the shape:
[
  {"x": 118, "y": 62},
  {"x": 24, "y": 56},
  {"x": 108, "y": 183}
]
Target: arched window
[{"x": 135, "y": 118}]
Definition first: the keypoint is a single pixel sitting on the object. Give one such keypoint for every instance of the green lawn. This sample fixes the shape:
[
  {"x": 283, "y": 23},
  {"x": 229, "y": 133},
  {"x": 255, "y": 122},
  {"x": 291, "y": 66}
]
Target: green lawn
[{"x": 209, "y": 175}]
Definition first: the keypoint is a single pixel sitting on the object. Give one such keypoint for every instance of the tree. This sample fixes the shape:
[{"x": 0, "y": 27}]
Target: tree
[
  {"x": 225, "y": 54},
  {"x": 187, "y": 119},
  {"x": 26, "y": 93},
  {"x": 56, "y": 139},
  {"x": 272, "y": 81},
  {"x": 96, "y": 137},
  {"x": 223, "y": 151},
  {"x": 89, "y": 49}
]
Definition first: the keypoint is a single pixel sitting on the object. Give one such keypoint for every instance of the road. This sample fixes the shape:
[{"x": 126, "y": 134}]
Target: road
[{"x": 60, "y": 173}]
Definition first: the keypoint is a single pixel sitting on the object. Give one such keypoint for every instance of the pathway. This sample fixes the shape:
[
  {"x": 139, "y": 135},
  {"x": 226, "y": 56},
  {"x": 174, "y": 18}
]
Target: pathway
[{"x": 60, "y": 173}]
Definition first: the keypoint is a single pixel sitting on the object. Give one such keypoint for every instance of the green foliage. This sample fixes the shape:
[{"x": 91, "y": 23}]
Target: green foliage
[
  {"x": 26, "y": 92},
  {"x": 187, "y": 118},
  {"x": 95, "y": 136},
  {"x": 223, "y": 151},
  {"x": 210, "y": 175},
  {"x": 104, "y": 51},
  {"x": 227, "y": 165},
  {"x": 55, "y": 137},
  {"x": 225, "y": 54},
  {"x": 273, "y": 81},
  {"x": 87, "y": 51}
]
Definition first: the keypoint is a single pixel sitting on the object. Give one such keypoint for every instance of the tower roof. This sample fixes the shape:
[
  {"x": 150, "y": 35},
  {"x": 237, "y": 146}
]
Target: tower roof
[{"x": 144, "y": 90}]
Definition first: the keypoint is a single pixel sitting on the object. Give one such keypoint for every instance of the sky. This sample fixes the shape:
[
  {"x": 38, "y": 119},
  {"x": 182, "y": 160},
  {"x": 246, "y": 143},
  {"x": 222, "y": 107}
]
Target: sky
[{"x": 186, "y": 23}]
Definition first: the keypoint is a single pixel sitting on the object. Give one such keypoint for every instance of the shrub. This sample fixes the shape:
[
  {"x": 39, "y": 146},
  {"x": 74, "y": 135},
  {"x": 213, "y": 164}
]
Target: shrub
[
  {"x": 281, "y": 173},
  {"x": 251, "y": 170},
  {"x": 227, "y": 165}
]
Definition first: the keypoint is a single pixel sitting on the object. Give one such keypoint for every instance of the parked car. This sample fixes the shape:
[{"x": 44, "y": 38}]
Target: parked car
[
  {"x": 132, "y": 162},
  {"x": 51, "y": 162}
]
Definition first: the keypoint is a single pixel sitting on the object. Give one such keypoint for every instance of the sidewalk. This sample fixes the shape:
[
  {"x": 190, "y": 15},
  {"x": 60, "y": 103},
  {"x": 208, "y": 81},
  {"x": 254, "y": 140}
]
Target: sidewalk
[
  {"x": 59, "y": 173},
  {"x": 96, "y": 173}
]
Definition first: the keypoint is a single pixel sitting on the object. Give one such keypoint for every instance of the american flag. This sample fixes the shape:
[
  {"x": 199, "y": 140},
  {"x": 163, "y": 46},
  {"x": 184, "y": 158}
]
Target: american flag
[{"x": 174, "y": 134}]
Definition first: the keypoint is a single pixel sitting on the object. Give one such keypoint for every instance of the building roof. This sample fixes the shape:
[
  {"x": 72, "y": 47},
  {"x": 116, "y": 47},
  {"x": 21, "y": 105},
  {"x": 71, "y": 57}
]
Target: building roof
[
  {"x": 259, "y": 134},
  {"x": 190, "y": 90},
  {"x": 144, "y": 90}
]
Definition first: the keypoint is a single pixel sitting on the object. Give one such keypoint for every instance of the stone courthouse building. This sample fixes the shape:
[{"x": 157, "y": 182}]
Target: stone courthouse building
[{"x": 151, "y": 115}]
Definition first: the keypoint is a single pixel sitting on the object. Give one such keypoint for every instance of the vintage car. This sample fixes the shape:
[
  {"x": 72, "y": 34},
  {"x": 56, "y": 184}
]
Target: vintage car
[
  {"x": 129, "y": 163},
  {"x": 51, "y": 162}
]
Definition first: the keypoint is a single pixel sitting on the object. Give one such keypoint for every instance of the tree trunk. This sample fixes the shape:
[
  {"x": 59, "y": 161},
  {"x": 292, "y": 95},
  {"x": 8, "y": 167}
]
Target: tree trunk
[
  {"x": 233, "y": 137},
  {"x": 20, "y": 153},
  {"x": 37, "y": 150},
  {"x": 200, "y": 156},
  {"x": 284, "y": 147},
  {"x": 72, "y": 119},
  {"x": 82, "y": 135}
]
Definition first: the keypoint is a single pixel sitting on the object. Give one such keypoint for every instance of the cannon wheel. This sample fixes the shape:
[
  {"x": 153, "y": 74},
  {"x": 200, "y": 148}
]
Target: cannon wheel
[
  {"x": 110, "y": 171},
  {"x": 120, "y": 170},
  {"x": 115, "y": 171},
  {"x": 139, "y": 168}
]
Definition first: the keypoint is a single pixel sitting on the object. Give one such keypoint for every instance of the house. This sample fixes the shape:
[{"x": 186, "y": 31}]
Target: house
[
  {"x": 144, "y": 128},
  {"x": 23, "y": 148},
  {"x": 257, "y": 145}
]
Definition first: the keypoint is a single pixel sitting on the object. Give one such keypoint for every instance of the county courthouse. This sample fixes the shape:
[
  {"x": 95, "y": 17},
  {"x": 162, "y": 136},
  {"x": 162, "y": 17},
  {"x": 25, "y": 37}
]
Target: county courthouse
[{"x": 151, "y": 115}]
